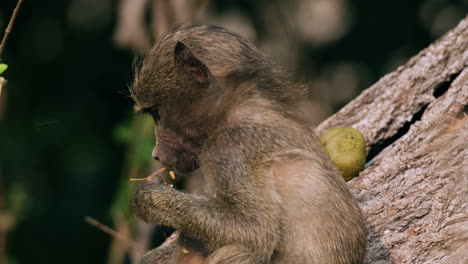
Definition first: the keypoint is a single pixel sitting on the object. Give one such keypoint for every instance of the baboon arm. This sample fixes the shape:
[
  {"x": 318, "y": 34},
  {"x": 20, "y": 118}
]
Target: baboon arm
[
  {"x": 240, "y": 208},
  {"x": 205, "y": 217}
]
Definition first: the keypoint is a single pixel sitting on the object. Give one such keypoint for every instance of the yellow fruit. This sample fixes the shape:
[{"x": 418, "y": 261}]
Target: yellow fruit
[{"x": 346, "y": 146}]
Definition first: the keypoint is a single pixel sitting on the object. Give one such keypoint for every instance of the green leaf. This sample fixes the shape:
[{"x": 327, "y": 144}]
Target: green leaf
[
  {"x": 3, "y": 67},
  {"x": 18, "y": 201}
]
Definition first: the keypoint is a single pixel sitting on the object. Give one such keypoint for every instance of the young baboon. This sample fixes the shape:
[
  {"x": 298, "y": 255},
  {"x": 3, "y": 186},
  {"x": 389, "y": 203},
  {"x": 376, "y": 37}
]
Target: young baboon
[{"x": 270, "y": 192}]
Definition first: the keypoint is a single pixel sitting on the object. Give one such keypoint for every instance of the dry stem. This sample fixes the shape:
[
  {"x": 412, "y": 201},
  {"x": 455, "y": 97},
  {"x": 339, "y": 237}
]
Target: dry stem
[
  {"x": 10, "y": 26},
  {"x": 108, "y": 230},
  {"x": 151, "y": 177}
]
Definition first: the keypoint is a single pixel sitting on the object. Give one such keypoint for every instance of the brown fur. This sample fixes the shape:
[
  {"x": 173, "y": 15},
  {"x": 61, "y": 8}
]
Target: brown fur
[{"x": 270, "y": 193}]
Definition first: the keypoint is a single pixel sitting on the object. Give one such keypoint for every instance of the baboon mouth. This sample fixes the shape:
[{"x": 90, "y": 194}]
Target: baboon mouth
[{"x": 183, "y": 168}]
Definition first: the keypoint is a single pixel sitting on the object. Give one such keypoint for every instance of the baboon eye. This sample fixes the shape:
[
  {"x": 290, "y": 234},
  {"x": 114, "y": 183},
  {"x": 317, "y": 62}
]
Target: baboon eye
[
  {"x": 152, "y": 112},
  {"x": 154, "y": 115}
]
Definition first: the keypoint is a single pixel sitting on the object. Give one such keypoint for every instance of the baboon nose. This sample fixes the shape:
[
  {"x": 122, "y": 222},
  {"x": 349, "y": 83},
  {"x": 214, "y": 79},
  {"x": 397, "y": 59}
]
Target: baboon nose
[{"x": 155, "y": 154}]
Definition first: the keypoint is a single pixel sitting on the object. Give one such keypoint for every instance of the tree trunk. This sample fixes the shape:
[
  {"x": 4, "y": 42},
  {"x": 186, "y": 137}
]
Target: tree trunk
[{"x": 413, "y": 192}]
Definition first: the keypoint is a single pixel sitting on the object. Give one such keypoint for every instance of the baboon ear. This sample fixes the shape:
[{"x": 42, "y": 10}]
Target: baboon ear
[{"x": 187, "y": 63}]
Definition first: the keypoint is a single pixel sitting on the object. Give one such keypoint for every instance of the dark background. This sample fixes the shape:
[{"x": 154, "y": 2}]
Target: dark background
[{"x": 59, "y": 156}]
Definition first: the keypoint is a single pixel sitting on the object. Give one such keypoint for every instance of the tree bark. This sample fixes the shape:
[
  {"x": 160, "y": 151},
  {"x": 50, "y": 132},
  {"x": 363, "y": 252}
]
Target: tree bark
[{"x": 413, "y": 191}]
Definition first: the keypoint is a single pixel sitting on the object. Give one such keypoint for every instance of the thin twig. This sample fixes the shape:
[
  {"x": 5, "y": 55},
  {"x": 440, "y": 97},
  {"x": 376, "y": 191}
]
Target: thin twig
[
  {"x": 10, "y": 26},
  {"x": 108, "y": 230},
  {"x": 149, "y": 178}
]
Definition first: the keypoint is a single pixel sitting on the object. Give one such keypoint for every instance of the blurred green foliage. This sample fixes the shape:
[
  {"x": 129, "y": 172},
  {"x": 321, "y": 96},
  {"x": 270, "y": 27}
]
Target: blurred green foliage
[
  {"x": 18, "y": 201},
  {"x": 138, "y": 135}
]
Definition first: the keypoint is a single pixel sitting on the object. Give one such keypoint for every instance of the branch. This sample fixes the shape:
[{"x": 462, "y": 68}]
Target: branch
[
  {"x": 108, "y": 230},
  {"x": 413, "y": 192},
  {"x": 381, "y": 110},
  {"x": 10, "y": 26}
]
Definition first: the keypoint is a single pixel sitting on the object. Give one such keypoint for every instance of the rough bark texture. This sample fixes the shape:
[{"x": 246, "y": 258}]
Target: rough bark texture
[{"x": 414, "y": 190}]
